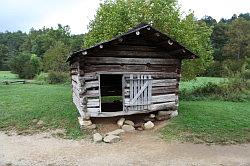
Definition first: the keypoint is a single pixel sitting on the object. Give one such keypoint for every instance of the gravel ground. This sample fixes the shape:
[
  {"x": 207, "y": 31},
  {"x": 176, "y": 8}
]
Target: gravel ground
[{"x": 139, "y": 148}]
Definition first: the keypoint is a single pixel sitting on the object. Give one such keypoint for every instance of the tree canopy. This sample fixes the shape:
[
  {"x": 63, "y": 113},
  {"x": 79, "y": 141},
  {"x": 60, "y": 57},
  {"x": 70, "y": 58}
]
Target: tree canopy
[
  {"x": 55, "y": 58},
  {"x": 115, "y": 17}
]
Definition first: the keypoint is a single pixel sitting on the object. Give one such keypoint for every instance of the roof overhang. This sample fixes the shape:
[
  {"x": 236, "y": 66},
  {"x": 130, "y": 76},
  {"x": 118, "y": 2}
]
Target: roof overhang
[{"x": 148, "y": 31}]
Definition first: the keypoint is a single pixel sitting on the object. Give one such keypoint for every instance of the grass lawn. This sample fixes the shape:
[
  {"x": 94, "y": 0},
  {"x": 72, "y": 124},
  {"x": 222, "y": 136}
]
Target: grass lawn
[
  {"x": 198, "y": 121},
  {"x": 199, "y": 82},
  {"x": 20, "y": 104},
  {"x": 7, "y": 75},
  {"x": 211, "y": 122}
]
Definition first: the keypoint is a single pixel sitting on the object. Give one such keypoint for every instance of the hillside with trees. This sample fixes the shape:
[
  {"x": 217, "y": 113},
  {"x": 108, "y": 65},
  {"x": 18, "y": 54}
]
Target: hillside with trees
[
  {"x": 46, "y": 49},
  {"x": 231, "y": 44},
  {"x": 222, "y": 46}
]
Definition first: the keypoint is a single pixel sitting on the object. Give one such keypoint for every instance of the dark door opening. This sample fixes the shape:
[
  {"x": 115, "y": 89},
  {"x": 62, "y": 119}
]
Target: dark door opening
[{"x": 111, "y": 92}]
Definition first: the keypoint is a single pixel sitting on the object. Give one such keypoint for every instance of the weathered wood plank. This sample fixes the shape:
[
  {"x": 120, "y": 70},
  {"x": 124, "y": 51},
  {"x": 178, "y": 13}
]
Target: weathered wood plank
[
  {"x": 161, "y": 82},
  {"x": 100, "y": 95},
  {"x": 119, "y": 113},
  {"x": 93, "y": 103},
  {"x": 162, "y": 106},
  {"x": 164, "y": 82},
  {"x": 93, "y": 110},
  {"x": 164, "y": 98},
  {"x": 91, "y": 84},
  {"x": 76, "y": 85},
  {"x": 164, "y": 90},
  {"x": 75, "y": 78},
  {"x": 135, "y": 48},
  {"x": 164, "y": 75},
  {"x": 90, "y": 77},
  {"x": 113, "y": 53},
  {"x": 156, "y": 75},
  {"x": 91, "y": 93},
  {"x": 128, "y": 68},
  {"x": 157, "y": 90},
  {"x": 157, "y": 99},
  {"x": 76, "y": 91},
  {"x": 114, "y": 60},
  {"x": 78, "y": 105}
]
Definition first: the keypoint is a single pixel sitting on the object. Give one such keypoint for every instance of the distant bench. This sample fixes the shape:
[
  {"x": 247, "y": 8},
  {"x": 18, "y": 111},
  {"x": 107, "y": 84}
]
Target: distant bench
[{"x": 11, "y": 82}]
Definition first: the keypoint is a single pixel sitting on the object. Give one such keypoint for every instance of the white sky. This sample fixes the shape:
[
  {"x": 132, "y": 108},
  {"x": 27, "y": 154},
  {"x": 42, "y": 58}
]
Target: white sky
[{"x": 24, "y": 14}]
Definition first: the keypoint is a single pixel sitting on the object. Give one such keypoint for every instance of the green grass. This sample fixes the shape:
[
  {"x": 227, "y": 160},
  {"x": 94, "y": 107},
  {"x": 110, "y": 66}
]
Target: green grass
[
  {"x": 21, "y": 104},
  {"x": 199, "y": 82},
  {"x": 198, "y": 121},
  {"x": 211, "y": 122},
  {"x": 7, "y": 75},
  {"x": 111, "y": 99}
]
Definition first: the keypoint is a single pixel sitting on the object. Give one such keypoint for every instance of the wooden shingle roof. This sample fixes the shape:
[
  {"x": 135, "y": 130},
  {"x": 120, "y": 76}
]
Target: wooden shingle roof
[{"x": 149, "y": 34}]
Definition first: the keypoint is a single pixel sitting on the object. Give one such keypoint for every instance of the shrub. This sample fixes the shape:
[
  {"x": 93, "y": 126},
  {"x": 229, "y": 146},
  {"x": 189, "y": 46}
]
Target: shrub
[
  {"x": 233, "y": 90},
  {"x": 55, "y": 77},
  {"x": 55, "y": 58},
  {"x": 26, "y": 65},
  {"x": 214, "y": 70},
  {"x": 230, "y": 67},
  {"x": 247, "y": 74},
  {"x": 41, "y": 78}
]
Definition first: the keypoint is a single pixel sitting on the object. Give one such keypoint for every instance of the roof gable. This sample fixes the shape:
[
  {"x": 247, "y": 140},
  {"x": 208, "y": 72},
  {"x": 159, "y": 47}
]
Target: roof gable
[{"x": 147, "y": 33}]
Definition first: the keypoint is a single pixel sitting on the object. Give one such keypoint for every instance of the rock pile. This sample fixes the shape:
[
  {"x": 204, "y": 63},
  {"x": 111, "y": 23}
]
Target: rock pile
[
  {"x": 126, "y": 125},
  {"x": 130, "y": 126},
  {"x": 110, "y": 137}
]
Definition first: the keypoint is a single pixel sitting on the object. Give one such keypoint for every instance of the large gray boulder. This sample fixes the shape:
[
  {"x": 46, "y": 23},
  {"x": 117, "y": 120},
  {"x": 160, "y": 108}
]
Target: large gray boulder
[{"x": 111, "y": 139}]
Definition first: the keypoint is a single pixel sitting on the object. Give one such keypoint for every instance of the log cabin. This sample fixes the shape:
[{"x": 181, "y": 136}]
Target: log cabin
[{"x": 136, "y": 72}]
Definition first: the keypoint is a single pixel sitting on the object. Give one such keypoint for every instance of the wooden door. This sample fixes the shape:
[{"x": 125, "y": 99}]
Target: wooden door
[{"x": 137, "y": 92}]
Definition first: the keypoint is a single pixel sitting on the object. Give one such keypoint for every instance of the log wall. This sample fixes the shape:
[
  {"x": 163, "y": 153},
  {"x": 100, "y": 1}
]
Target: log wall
[{"x": 164, "y": 69}]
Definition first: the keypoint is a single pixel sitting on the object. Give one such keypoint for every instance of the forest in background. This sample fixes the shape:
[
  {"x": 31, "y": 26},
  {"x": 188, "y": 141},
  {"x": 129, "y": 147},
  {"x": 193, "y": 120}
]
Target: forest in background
[
  {"x": 42, "y": 50},
  {"x": 46, "y": 49},
  {"x": 231, "y": 44}
]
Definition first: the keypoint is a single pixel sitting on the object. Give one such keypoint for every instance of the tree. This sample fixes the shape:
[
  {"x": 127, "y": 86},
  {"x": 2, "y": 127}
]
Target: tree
[
  {"x": 3, "y": 56},
  {"x": 115, "y": 17},
  {"x": 219, "y": 39},
  {"x": 246, "y": 16},
  {"x": 76, "y": 42},
  {"x": 26, "y": 65},
  {"x": 210, "y": 21},
  {"x": 10, "y": 43},
  {"x": 39, "y": 41},
  {"x": 238, "y": 46},
  {"x": 55, "y": 58}
]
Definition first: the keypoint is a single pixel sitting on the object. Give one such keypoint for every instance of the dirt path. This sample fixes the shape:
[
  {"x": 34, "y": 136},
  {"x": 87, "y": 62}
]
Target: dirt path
[{"x": 144, "y": 148}]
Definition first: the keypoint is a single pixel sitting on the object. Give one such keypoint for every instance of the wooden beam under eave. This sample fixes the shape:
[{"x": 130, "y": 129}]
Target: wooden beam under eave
[
  {"x": 177, "y": 52},
  {"x": 167, "y": 43}
]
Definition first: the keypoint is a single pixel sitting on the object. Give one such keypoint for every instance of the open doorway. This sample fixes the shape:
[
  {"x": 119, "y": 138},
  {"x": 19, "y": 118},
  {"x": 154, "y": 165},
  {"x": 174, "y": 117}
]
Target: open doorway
[{"x": 111, "y": 92}]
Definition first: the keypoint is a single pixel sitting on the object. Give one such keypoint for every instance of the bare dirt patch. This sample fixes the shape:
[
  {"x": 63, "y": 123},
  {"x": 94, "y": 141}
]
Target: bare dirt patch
[{"x": 138, "y": 148}]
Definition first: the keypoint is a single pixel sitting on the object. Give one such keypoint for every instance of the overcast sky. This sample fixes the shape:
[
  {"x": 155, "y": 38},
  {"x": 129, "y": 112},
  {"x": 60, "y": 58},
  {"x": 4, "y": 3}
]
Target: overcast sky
[{"x": 24, "y": 14}]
